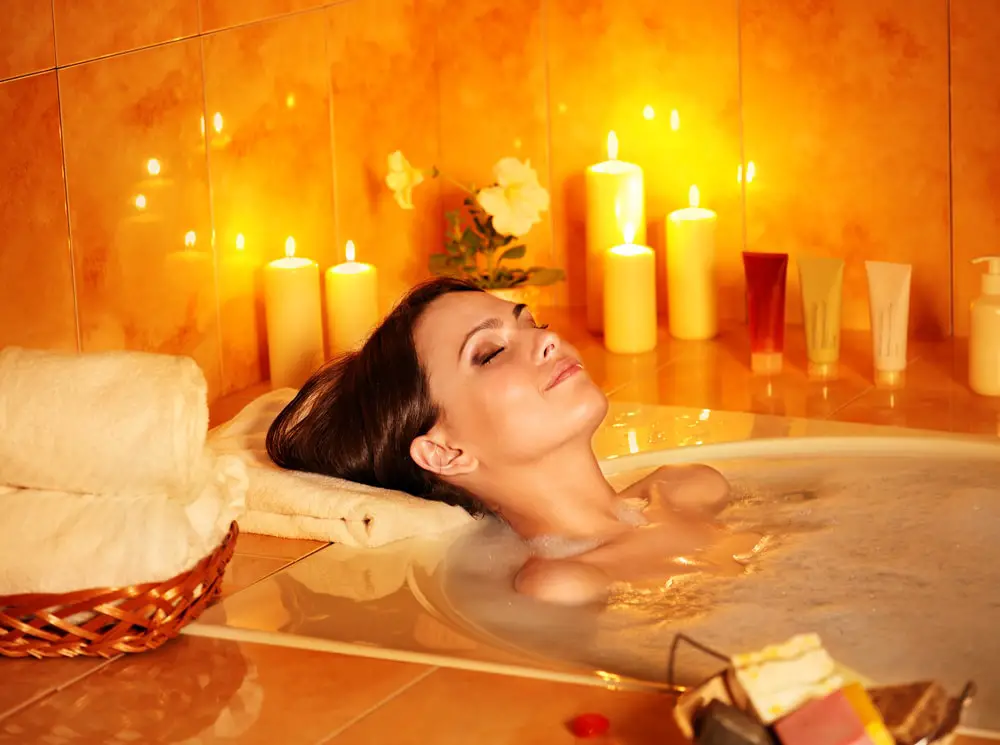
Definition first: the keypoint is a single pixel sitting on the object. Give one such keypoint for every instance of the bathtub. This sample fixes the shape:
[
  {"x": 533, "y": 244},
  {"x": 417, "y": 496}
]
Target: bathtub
[{"x": 425, "y": 601}]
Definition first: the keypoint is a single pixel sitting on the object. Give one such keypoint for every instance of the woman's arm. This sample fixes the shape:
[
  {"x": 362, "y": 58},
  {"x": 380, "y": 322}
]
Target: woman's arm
[{"x": 563, "y": 581}]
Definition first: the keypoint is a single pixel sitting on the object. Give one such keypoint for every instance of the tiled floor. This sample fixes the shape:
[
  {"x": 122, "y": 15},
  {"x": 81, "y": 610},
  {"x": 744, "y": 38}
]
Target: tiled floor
[{"x": 201, "y": 690}]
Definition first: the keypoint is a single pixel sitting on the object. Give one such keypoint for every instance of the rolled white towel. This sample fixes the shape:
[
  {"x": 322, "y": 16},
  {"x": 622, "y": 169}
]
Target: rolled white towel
[
  {"x": 106, "y": 422},
  {"x": 294, "y": 504},
  {"x": 56, "y": 542}
]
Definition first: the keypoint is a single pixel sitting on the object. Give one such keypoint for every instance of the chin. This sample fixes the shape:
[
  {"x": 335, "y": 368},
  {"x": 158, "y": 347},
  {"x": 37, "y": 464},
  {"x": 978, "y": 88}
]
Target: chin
[{"x": 590, "y": 408}]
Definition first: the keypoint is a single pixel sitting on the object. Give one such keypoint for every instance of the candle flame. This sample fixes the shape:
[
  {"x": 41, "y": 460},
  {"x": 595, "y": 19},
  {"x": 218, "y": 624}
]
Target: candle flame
[
  {"x": 628, "y": 233},
  {"x": 241, "y": 242},
  {"x": 675, "y": 120},
  {"x": 153, "y": 167},
  {"x": 140, "y": 202},
  {"x": 751, "y": 170},
  {"x": 217, "y": 121},
  {"x": 289, "y": 247},
  {"x": 612, "y": 145},
  {"x": 190, "y": 238},
  {"x": 648, "y": 113},
  {"x": 349, "y": 251},
  {"x": 694, "y": 196}
]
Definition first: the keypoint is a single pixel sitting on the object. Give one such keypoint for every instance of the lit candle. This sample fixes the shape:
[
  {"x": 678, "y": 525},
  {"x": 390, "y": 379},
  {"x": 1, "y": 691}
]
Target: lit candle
[
  {"x": 294, "y": 320},
  {"x": 691, "y": 271},
  {"x": 629, "y": 297},
  {"x": 351, "y": 302},
  {"x": 615, "y": 199},
  {"x": 189, "y": 270}
]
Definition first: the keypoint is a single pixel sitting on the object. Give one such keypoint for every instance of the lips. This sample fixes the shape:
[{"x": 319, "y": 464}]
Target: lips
[{"x": 564, "y": 369}]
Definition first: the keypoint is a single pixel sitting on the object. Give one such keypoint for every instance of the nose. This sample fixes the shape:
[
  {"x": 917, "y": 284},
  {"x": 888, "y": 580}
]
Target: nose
[{"x": 547, "y": 345}]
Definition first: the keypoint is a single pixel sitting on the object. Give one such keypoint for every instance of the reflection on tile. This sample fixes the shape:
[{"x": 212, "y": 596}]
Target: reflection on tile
[
  {"x": 216, "y": 14},
  {"x": 385, "y": 99},
  {"x": 497, "y": 709},
  {"x": 24, "y": 680},
  {"x": 251, "y": 544},
  {"x": 36, "y": 280},
  {"x": 975, "y": 145},
  {"x": 494, "y": 98},
  {"x": 26, "y": 42},
  {"x": 269, "y": 147},
  {"x": 843, "y": 168},
  {"x": 139, "y": 208},
  {"x": 86, "y": 29},
  {"x": 244, "y": 571},
  {"x": 935, "y": 396},
  {"x": 206, "y": 691},
  {"x": 648, "y": 58}
]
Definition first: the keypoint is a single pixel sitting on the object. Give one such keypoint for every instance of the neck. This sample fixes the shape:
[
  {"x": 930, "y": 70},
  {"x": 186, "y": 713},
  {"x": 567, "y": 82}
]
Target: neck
[{"x": 565, "y": 495}]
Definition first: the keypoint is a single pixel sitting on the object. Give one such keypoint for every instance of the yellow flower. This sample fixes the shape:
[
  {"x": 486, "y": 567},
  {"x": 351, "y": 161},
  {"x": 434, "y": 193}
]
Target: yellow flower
[
  {"x": 517, "y": 200},
  {"x": 402, "y": 177}
]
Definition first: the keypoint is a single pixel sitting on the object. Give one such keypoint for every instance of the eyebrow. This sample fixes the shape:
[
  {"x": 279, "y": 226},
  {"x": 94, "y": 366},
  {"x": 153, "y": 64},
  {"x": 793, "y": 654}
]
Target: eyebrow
[{"x": 489, "y": 323}]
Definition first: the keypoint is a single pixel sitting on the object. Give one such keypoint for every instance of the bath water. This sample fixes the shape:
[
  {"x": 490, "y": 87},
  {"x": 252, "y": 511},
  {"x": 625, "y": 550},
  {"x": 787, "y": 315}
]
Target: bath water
[{"x": 893, "y": 561}]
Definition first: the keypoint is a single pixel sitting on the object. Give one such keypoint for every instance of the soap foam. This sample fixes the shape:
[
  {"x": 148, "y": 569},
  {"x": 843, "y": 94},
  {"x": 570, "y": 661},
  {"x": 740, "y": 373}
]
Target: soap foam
[{"x": 891, "y": 560}]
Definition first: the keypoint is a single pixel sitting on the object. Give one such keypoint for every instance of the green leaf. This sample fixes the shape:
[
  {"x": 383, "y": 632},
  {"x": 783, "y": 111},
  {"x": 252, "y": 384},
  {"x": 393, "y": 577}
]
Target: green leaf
[
  {"x": 515, "y": 252},
  {"x": 471, "y": 240},
  {"x": 439, "y": 263},
  {"x": 543, "y": 277}
]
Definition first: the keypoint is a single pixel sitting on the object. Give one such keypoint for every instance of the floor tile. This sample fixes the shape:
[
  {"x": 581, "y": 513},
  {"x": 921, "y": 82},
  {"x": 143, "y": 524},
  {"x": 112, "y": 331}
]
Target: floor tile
[
  {"x": 212, "y": 691},
  {"x": 496, "y": 709},
  {"x": 244, "y": 571},
  {"x": 275, "y": 548},
  {"x": 24, "y": 680}
]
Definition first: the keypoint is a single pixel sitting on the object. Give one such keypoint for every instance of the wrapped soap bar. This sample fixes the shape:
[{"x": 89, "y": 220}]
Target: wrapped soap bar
[
  {"x": 825, "y": 721},
  {"x": 717, "y": 688},
  {"x": 723, "y": 724},
  {"x": 780, "y": 678},
  {"x": 912, "y": 711}
]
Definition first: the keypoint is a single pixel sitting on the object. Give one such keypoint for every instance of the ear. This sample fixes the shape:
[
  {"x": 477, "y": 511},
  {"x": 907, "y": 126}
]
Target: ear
[{"x": 433, "y": 453}]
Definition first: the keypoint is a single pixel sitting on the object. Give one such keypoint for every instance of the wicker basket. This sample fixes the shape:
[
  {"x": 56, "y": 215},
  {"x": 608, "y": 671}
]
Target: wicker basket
[{"x": 105, "y": 622}]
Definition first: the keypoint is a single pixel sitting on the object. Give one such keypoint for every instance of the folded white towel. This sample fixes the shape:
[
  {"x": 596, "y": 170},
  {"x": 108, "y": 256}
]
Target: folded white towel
[
  {"x": 56, "y": 542},
  {"x": 104, "y": 422},
  {"x": 292, "y": 504}
]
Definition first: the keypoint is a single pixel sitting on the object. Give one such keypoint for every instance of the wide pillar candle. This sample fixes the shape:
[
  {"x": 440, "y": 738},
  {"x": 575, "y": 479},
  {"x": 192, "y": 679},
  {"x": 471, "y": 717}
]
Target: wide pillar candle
[
  {"x": 351, "y": 302},
  {"x": 629, "y": 298},
  {"x": 293, "y": 317},
  {"x": 615, "y": 199},
  {"x": 691, "y": 293}
]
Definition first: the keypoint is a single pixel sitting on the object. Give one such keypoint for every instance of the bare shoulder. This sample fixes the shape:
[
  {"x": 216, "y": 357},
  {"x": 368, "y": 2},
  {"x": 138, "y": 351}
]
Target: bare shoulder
[
  {"x": 688, "y": 487},
  {"x": 563, "y": 581}
]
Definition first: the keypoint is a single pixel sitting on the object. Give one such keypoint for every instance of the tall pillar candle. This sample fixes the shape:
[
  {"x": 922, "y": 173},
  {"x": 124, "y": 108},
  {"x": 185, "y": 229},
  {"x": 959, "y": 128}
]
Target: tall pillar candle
[
  {"x": 351, "y": 302},
  {"x": 629, "y": 298},
  {"x": 615, "y": 199},
  {"x": 293, "y": 317},
  {"x": 691, "y": 294}
]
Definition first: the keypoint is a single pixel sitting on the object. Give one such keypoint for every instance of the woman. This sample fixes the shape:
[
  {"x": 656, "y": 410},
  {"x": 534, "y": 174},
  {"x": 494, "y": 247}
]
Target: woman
[{"x": 461, "y": 397}]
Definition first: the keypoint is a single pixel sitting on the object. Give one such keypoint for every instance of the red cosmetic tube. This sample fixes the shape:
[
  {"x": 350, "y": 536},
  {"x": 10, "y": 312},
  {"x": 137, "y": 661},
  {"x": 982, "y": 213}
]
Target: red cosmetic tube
[{"x": 766, "y": 274}]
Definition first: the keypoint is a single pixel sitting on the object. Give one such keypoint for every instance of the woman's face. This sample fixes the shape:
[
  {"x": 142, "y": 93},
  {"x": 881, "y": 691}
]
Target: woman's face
[{"x": 509, "y": 391}]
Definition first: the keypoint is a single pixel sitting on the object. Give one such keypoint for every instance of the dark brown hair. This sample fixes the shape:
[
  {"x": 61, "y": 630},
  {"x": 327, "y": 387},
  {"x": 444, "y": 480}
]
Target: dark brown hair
[{"x": 357, "y": 415}]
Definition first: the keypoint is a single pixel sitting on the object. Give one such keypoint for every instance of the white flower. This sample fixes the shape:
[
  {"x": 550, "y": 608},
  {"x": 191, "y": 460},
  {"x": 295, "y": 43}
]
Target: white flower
[
  {"x": 402, "y": 177},
  {"x": 517, "y": 200}
]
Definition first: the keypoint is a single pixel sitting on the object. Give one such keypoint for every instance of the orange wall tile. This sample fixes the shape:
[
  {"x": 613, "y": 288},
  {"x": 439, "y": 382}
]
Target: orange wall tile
[
  {"x": 26, "y": 41},
  {"x": 36, "y": 281},
  {"x": 142, "y": 237},
  {"x": 607, "y": 63},
  {"x": 267, "y": 92},
  {"x": 845, "y": 110},
  {"x": 975, "y": 145},
  {"x": 842, "y": 107},
  {"x": 383, "y": 67},
  {"x": 86, "y": 29}
]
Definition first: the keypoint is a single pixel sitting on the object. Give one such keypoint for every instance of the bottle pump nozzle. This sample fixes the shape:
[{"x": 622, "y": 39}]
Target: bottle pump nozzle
[{"x": 991, "y": 280}]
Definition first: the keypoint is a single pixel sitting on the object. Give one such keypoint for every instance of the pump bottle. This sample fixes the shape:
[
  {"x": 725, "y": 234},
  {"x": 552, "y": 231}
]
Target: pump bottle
[{"x": 984, "y": 333}]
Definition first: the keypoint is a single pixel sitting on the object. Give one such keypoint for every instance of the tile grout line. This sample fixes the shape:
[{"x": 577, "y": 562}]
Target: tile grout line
[
  {"x": 376, "y": 706},
  {"x": 200, "y": 33},
  {"x": 216, "y": 259},
  {"x": 74, "y": 285},
  {"x": 39, "y": 697}
]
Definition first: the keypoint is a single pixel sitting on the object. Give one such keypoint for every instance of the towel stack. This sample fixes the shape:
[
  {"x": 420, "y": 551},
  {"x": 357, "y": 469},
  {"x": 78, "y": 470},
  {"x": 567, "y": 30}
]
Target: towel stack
[
  {"x": 293, "y": 504},
  {"x": 105, "y": 477}
]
